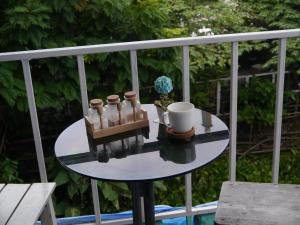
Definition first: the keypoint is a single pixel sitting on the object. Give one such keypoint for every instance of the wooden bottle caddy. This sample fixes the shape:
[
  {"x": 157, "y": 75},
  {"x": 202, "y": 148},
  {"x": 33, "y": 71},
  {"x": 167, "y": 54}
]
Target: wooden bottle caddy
[{"x": 118, "y": 129}]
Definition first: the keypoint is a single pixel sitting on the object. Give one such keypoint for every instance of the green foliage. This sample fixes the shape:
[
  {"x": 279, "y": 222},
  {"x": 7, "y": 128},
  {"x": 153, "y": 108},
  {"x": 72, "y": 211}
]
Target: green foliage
[
  {"x": 72, "y": 194},
  {"x": 257, "y": 102},
  {"x": 25, "y": 24},
  {"x": 78, "y": 192},
  {"x": 290, "y": 167},
  {"x": 275, "y": 15},
  {"x": 200, "y": 98},
  {"x": 207, "y": 181},
  {"x": 9, "y": 171},
  {"x": 12, "y": 87},
  {"x": 36, "y": 24}
]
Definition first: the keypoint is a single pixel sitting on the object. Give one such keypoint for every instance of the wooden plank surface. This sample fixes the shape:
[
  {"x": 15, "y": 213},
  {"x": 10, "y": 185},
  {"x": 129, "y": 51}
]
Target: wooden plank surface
[
  {"x": 245, "y": 203},
  {"x": 32, "y": 204},
  {"x": 10, "y": 196}
]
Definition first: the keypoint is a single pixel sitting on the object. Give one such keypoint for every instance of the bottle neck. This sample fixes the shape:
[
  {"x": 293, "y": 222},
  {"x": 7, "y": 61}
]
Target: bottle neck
[
  {"x": 114, "y": 105},
  {"x": 131, "y": 99}
]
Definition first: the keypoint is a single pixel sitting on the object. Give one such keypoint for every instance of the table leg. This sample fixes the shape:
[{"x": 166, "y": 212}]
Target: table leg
[
  {"x": 146, "y": 190},
  {"x": 136, "y": 204},
  {"x": 149, "y": 203}
]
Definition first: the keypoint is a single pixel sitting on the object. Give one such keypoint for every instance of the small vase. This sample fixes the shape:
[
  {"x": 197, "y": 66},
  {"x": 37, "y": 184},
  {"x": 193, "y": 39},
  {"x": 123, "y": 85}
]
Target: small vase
[
  {"x": 206, "y": 119},
  {"x": 160, "y": 114}
]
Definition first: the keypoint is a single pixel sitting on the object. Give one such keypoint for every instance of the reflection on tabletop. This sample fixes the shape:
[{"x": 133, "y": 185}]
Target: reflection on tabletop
[{"x": 131, "y": 143}]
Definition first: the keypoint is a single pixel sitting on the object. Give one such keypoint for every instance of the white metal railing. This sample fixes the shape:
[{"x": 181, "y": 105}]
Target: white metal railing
[
  {"x": 246, "y": 78},
  {"x": 132, "y": 47}
]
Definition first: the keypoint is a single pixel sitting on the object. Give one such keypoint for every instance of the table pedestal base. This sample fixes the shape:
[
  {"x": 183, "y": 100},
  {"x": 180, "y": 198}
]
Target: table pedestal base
[{"x": 143, "y": 189}]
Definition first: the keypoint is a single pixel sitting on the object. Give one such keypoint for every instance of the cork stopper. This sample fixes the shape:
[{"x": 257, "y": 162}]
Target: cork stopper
[
  {"x": 96, "y": 102},
  {"x": 130, "y": 95},
  {"x": 113, "y": 99}
]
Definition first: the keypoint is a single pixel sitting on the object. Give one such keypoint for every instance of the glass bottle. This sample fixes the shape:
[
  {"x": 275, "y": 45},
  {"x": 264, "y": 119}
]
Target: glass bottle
[
  {"x": 115, "y": 116},
  {"x": 132, "y": 107},
  {"x": 97, "y": 114},
  {"x": 135, "y": 143},
  {"x": 115, "y": 112}
]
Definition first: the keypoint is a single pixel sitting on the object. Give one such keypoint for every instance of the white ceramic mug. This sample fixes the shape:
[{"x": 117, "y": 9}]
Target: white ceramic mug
[{"x": 180, "y": 116}]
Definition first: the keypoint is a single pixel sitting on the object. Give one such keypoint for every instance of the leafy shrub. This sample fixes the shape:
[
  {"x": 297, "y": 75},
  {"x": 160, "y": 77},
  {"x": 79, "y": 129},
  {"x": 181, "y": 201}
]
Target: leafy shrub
[
  {"x": 257, "y": 102},
  {"x": 207, "y": 181},
  {"x": 73, "y": 192},
  {"x": 9, "y": 171},
  {"x": 35, "y": 24},
  {"x": 275, "y": 15}
]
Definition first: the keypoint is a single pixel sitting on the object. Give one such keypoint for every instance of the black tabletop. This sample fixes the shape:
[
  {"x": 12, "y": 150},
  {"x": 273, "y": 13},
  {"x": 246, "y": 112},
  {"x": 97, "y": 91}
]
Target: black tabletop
[{"x": 144, "y": 154}]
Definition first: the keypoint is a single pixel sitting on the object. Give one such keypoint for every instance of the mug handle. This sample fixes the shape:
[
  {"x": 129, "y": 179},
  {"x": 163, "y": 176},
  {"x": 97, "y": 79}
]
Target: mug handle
[{"x": 164, "y": 116}]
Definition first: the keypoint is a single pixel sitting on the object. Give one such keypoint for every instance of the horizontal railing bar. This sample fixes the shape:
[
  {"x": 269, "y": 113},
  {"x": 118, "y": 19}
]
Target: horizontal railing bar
[
  {"x": 247, "y": 76},
  {"x": 244, "y": 76},
  {"x": 183, "y": 212},
  {"x": 164, "y": 215},
  {"x": 138, "y": 45}
]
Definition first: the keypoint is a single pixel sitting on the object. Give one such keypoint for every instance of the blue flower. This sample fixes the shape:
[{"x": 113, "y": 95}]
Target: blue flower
[{"x": 163, "y": 85}]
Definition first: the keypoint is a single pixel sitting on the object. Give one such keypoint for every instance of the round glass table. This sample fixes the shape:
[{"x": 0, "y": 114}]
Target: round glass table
[{"x": 142, "y": 156}]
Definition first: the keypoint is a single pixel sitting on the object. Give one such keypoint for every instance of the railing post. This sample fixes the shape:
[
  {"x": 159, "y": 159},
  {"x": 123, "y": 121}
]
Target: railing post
[
  {"x": 85, "y": 105},
  {"x": 83, "y": 88},
  {"x": 48, "y": 216},
  {"x": 218, "y": 97},
  {"x": 278, "y": 109},
  {"x": 186, "y": 74},
  {"x": 96, "y": 203},
  {"x": 233, "y": 110},
  {"x": 186, "y": 97},
  {"x": 135, "y": 87},
  {"x": 134, "y": 72}
]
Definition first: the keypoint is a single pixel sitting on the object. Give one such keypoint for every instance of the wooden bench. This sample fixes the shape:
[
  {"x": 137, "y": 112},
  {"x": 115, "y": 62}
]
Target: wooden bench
[
  {"x": 245, "y": 203},
  {"x": 22, "y": 204}
]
